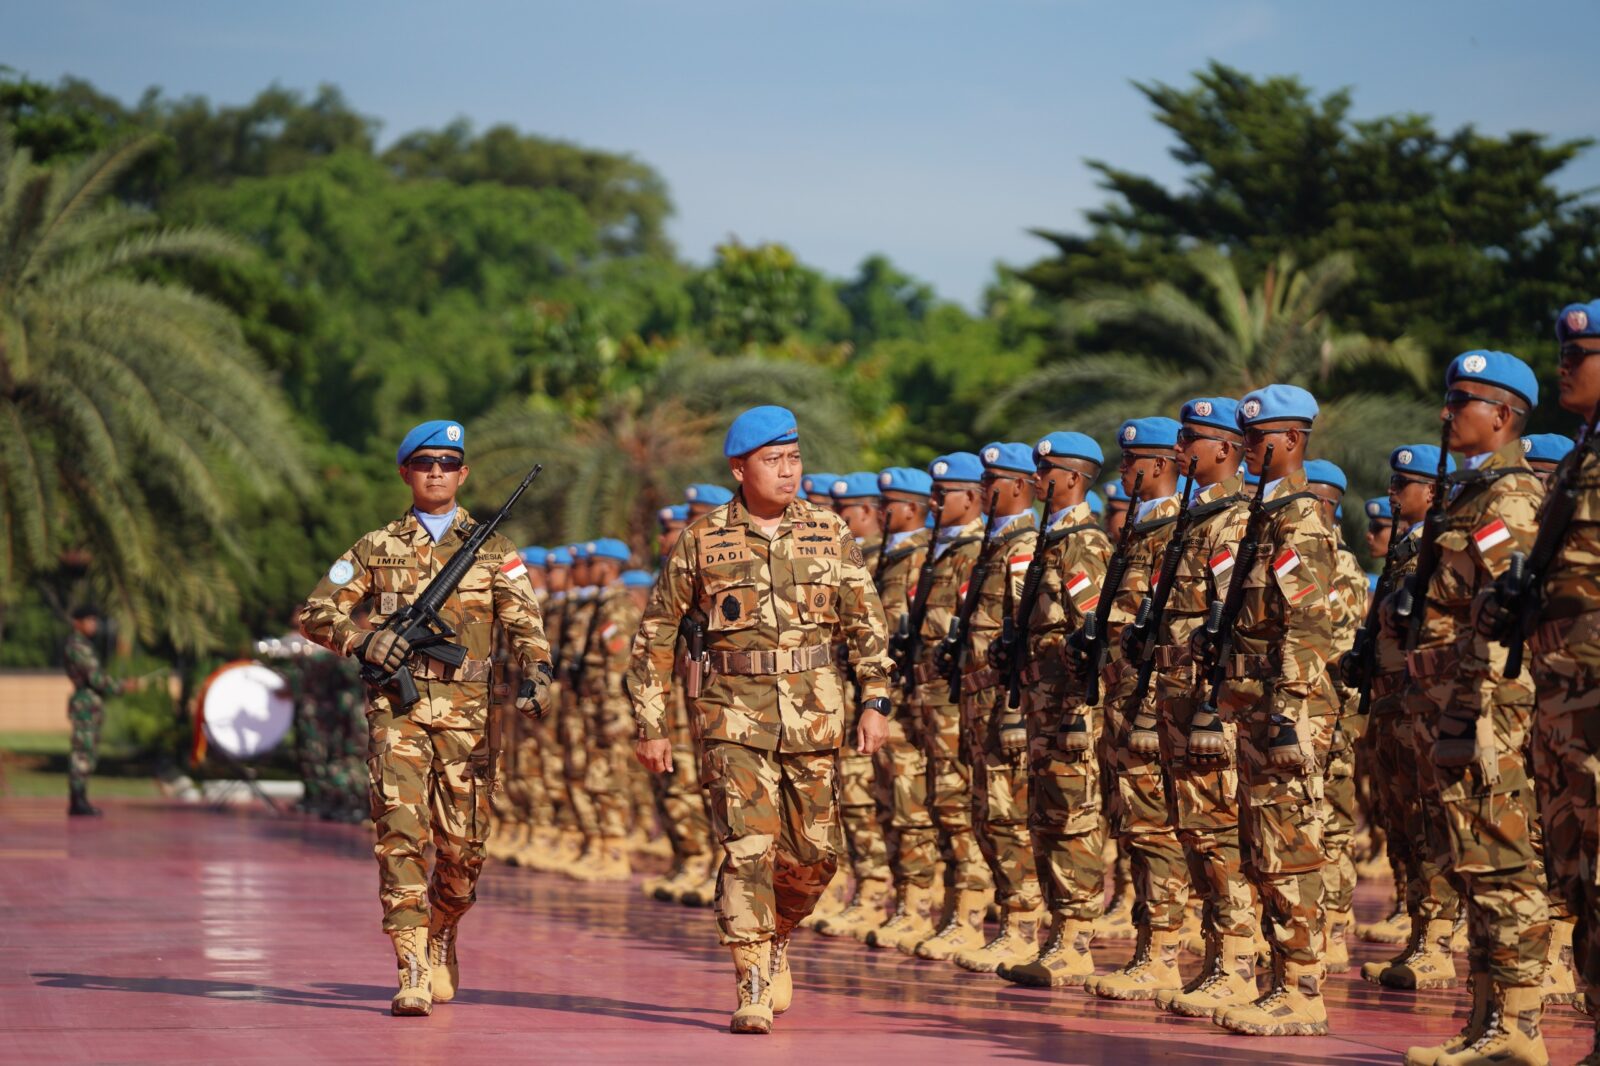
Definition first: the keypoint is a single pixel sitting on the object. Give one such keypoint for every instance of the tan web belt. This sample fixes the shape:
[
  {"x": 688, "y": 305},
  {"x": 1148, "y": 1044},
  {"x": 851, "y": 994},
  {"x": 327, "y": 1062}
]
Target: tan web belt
[
  {"x": 434, "y": 670},
  {"x": 771, "y": 661}
]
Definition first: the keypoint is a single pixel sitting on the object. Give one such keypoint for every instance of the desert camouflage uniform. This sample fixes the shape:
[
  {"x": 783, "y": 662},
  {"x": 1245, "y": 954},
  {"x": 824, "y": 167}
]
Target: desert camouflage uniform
[
  {"x": 902, "y": 762},
  {"x": 949, "y": 774},
  {"x": 547, "y": 730},
  {"x": 860, "y": 798},
  {"x": 430, "y": 767},
  {"x": 1204, "y": 797},
  {"x": 1066, "y": 813},
  {"x": 1565, "y": 654},
  {"x": 1348, "y": 601},
  {"x": 85, "y": 711},
  {"x": 1282, "y": 640},
  {"x": 772, "y": 714},
  {"x": 679, "y": 804},
  {"x": 1456, "y": 675},
  {"x": 608, "y": 719},
  {"x": 572, "y": 727}
]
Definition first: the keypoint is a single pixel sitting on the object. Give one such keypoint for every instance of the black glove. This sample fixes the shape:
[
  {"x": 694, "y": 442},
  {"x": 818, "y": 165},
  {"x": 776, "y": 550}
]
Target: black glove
[
  {"x": 384, "y": 649},
  {"x": 533, "y": 696},
  {"x": 1000, "y": 652},
  {"x": 1492, "y": 611}
]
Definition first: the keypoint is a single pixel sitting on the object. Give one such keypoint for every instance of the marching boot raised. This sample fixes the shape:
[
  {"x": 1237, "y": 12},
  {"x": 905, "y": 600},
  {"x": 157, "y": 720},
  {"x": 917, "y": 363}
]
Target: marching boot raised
[
  {"x": 415, "y": 997},
  {"x": 442, "y": 957},
  {"x": 753, "y": 964},
  {"x": 1560, "y": 984},
  {"x": 780, "y": 976},
  {"x": 1336, "y": 959}
]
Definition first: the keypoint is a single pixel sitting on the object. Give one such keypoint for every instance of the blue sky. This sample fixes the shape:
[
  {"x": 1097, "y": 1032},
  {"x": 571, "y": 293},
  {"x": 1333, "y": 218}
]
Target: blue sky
[{"x": 936, "y": 132}]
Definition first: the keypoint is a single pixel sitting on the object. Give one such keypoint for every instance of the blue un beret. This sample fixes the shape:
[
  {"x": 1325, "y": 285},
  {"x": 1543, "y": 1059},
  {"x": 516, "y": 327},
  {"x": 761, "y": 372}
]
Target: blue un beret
[
  {"x": 1495, "y": 368},
  {"x": 1218, "y": 412},
  {"x": 1009, "y": 456},
  {"x": 1379, "y": 509},
  {"x": 1097, "y": 506},
  {"x": 862, "y": 483},
  {"x": 818, "y": 484},
  {"x": 1419, "y": 460},
  {"x": 1277, "y": 403},
  {"x": 957, "y": 466},
  {"x": 1322, "y": 472},
  {"x": 759, "y": 427},
  {"x": 1546, "y": 447},
  {"x": 1067, "y": 445},
  {"x": 1114, "y": 491},
  {"x": 1160, "y": 434},
  {"x": 579, "y": 551},
  {"x": 440, "y": 433},
  {"x": 558, "y": 557},
  {"x": 609, "y": 548},
  {"x": 905, "y": 479},
  {"x": 638, "y": 579},
  {"x": 1372, "y": 584},
  {"x": 1249, "y": 479},
  {"x": 678, "y": 512},
  {"x": 1578, "y": 320},
  {"x": 534, "y": 556},
  {"x": 711, "y": 495}
]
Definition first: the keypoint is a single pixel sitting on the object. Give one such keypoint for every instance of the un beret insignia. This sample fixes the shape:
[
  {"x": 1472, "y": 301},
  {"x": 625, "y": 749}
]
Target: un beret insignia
[
  {"x": 691, "y": 493},
  {"x": 1250, "y": 408},
  {"x": 452, "y": 433},
  {"x": 1373, "y": 509},
  {"x": 1474, "y": 364},
  {"x": 1405, "y": 457},
  {"x": 1203, "y": 408},
  {"x": 1527, "y": 445},
  {"x": 884, "y": 479},
  {"x": 1130, "y": 432},
  {"x": 841, "y": 487},
  {"x": 941, "y": 469},
  {"x": 991, "y": 454},
  {"x": 1044, "y": 447},
  {"x": 1577, "y": 320}
]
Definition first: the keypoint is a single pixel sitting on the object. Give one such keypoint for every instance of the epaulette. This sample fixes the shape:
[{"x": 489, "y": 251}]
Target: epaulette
[
  {"x": 1273, "y": 506},
  {"x": 1211, "y": 507}
]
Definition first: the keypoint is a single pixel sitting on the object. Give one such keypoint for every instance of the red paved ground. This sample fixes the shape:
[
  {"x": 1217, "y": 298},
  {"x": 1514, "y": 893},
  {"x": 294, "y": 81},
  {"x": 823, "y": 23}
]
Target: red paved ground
[{"x": 164, "y": 934}]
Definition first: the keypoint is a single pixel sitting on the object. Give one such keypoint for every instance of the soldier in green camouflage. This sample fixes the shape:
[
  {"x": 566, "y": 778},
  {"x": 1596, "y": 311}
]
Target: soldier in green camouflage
[
  {"x": 85, "y": 709},
  {"x": 773, "y": 580},
  {"x": 430, "y": 765}
]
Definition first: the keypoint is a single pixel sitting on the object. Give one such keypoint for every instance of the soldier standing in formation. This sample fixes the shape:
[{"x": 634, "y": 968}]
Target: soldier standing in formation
[
  {"x": 431, "y": 766},
  {"x": 86, "y": 707}
]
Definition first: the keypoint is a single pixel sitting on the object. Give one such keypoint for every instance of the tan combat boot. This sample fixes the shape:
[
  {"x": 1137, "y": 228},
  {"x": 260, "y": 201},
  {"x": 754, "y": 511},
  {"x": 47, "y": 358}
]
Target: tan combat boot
[
  {"x": 1231, "y": 982},
  {"x": 1116, "y": 923},
  {"x": 1336, "y": 956},
  {"x": 912, "y": 920},
  {"x": 1064, "y": 960},
  {"x": 704, "y": 892},
  {"x": 1431, "y": 966},
  {"x": 1016, "y": 943},
  {"x": 1193, "y": 936},
  {"x": 442, "y": 962},
  {"x": 1210, "y": 964},
  {"x": 753, "y": 964},
  {"x": 780, "y": 976},
  {"x": 863, "y": 914},
  {"x": 415, "y": 998},
  {"x": 962, "y": 929},
  {"x": 1294, "y": 1007},
  {"x": 1154, "y": 967},
  {"x": 1512, "y": 1035},
  {"x": 1389, "y": 930},
  {"x": 832, "y": 901},
  {"x": 1477, "y": 1021},
  {"x": 690, "y": 874},
  {"x": 1560, "y": 984},
  {"x": 609, "y": 864},
  {"x": 651, "y": 885}
]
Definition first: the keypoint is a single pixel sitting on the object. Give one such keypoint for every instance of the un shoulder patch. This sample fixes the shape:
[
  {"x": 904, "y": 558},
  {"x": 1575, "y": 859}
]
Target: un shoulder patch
[{"x": 341, "y": 572}]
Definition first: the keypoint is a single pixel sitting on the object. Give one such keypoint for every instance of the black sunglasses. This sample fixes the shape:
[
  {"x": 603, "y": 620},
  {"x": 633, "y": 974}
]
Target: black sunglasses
[
  {"x": 1576, "y": 353},
  {"x": 423, "y": 463},
  {"x": 1188, "y": 436},
  {"x": 1456, "y": 399}
]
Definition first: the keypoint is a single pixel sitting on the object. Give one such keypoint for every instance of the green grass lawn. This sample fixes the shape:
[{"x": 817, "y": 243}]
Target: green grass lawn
[{"x": 35, "y": 764}]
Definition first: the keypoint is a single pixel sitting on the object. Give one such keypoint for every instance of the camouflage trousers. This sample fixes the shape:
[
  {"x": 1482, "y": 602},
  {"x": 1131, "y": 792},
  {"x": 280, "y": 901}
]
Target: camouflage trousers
[
  {"x": 680, "y": 806},
  {"x": 85, "y": 750},
  {"x": 1066, "y": 810},
  {"x": 1387, "y": 754},
  {"x": 903, "y": 778},
  {"x": 1566, "y": 758},
  {"x": 1435, "y": 886},
  {"x": 312, "y": 754},
  {"x": 1139, "y": 814},
  {"x": 608, "y": 777},
  {"x": 860, "y": 799},
  {"x": 949, "y": 792},
  {"x": 1488, "y": 812},
  {"x": 1339, "y": 827},
  {"x": 776, "y": 817},
  {"x": 573, "y": 732},
  {"x": 426, "y": 786},
  {"x": 1000, "y": 807},
  {"x": 1204, "y": 810}
]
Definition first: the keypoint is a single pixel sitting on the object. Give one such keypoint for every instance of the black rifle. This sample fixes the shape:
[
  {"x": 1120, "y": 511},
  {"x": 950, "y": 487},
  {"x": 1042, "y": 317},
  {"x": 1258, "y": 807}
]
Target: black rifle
[
  {"x": 1015, "y": 646},
  {"x": 419, "y": 624},
  {"x": 906, "y": 647},
  {"x": 1524, "y": 581},
  {"x": 1153, "y": 608},
  {"x": 580, "y": 666},
  {"x": 1363, "y": 653},
  {"x": 954, "y": 646},
  {"x": 1205, "y": 730},
  {"x": 1411, "y": 602},
  {"x": 1096, "y": 626}
]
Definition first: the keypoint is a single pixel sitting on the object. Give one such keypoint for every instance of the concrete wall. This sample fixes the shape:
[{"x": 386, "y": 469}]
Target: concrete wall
[{"x": 34, "y": 701}]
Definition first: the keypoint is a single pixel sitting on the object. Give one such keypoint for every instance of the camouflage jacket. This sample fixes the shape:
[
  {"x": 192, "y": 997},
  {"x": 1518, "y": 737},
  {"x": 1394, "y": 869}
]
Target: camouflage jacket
[
  {"x": 898, "y": 581},
  {"x": 1149, "y": 540},
  {"x": 1348, "y": 603},
  {"x": 793, "y": 593},
  {"x": 1203, "y": 575},
  {"x": 1008, "y": 556},
  {"x": 1069, "y": 589},
  {"x": 384, "y": 572},
  {"x": 605, "y": 647},
  {"x": 951, "y": 569},
  {"x": 90, "y": 682},
  {"x": 1572, "y": 580},
  {"x": 1285, "y": 631},
  {"x": 1391, "y": 652}
]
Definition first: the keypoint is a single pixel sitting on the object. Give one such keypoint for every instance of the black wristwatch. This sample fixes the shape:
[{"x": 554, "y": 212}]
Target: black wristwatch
[{"x": 877, "y": 703}]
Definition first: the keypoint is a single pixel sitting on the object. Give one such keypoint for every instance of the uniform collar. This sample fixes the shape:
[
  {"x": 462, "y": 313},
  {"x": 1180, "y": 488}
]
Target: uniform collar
[
  {"x": 1073, "y": 515},
  {"x": 1228, "y": 486},
  {"x": 1005, "y": 522},
  {"x": 1294, "y": 481},
  {"x": 411, "y": 528}
]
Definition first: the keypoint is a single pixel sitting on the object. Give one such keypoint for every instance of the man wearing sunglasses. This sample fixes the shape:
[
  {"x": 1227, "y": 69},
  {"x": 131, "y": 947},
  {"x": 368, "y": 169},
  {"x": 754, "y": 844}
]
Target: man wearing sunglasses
[
  {"x": 431, "y": 766},
  {"x": 1471, "y": 724}
]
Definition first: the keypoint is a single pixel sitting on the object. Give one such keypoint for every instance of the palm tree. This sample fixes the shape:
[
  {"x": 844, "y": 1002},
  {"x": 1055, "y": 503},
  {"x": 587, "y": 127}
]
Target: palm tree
[
  {"x": 610, "y": 468},
  {"x": 1278, "y": 331},
  {"x": 132, "y": 414}
]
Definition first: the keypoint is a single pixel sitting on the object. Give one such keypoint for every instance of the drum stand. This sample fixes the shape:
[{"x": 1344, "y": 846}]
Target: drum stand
[{"x": 246, "y": 779}]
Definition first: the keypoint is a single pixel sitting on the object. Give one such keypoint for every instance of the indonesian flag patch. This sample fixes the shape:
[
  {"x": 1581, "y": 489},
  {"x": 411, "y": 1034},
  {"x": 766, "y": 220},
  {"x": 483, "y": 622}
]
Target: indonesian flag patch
[
  {"x": 1221, "y": 562},
  {"x": 609, "y": 631},
  {"x": 1491, "y": 535},
  {"x": 514, "y": 567},
  {"x": 1083, "y": 592},
  {"x": 1020, "y": 562},
  {"x": 1294, "y": 582},
  {"x": 961, "y": 593}
]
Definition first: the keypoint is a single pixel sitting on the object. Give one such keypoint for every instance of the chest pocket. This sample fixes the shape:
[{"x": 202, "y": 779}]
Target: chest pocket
[
  {"x": 393, "y": 575},
  {"x": 816, "y": 590},
  {"x": 1190, "y": 590},
  {"x": 732, "y": 602}
]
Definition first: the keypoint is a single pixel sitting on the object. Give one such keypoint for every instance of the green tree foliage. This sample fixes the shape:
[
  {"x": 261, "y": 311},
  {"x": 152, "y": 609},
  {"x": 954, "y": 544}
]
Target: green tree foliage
[
  {"x": 883, "y": 302},
  {"x": 135, "y": 417},
  {"x": 1459, "y": 239},
  {"x": 763, "y": 295}
]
